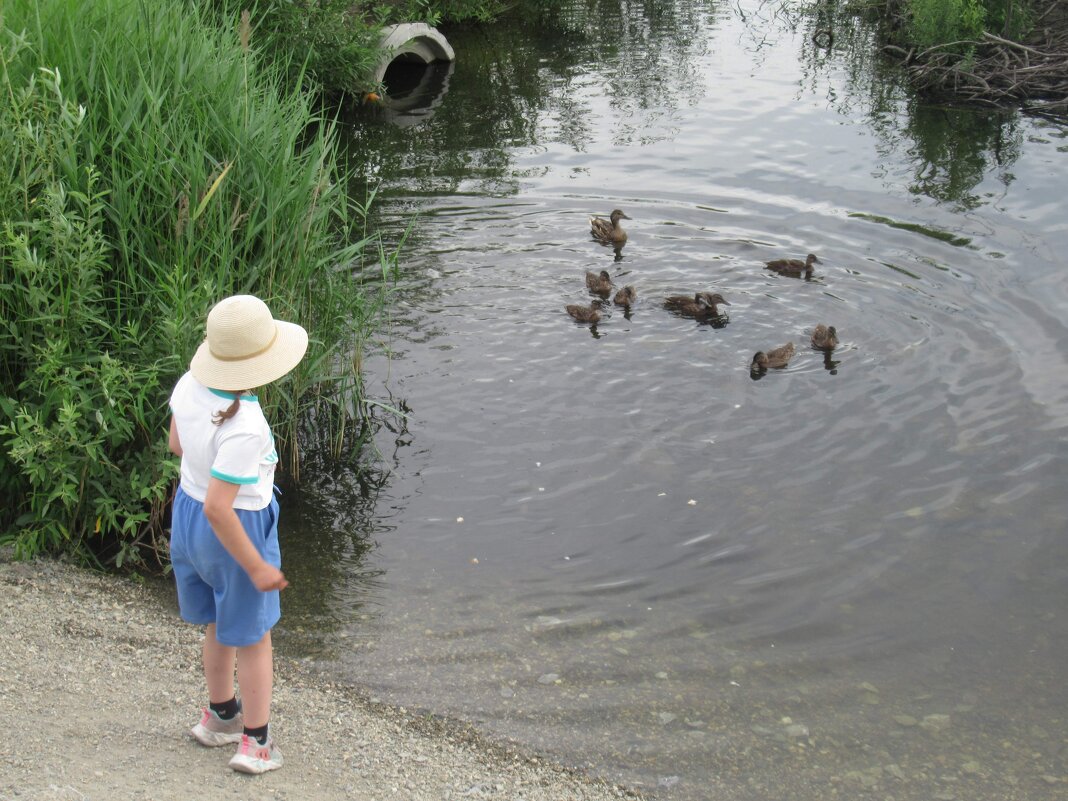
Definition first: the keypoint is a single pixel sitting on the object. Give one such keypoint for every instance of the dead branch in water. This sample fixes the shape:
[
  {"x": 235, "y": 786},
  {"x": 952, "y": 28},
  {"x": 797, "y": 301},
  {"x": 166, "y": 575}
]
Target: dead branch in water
[{"x": 996, "y": 71}]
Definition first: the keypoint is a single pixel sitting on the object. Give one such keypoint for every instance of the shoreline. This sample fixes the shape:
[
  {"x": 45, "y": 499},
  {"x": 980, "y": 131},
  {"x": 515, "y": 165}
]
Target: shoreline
[{"x": 100, "y": 684}]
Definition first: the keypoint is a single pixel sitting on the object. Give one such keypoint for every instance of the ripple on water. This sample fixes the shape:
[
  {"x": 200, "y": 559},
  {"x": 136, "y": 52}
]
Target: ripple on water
[{"x": 688, "y": 557}]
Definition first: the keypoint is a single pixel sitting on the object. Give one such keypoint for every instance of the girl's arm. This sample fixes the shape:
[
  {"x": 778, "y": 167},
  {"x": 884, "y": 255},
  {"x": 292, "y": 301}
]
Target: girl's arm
[
  {"x": 172, "y": 440},
  {"x": 219, "y": 509}
]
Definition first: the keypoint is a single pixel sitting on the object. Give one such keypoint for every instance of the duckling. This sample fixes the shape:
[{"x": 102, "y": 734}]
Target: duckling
[
  {"x": 711, "y": 300},
  {"x": 609, "y": 232},
  {"x": 776, "y": 357},
  {"x": 794, "y": 266},
  {"x": 625, "y": 296},
  {"x": 824, "y": 337},
  {"x": 702, "y": 306},
  {"x": 585, "y": 314},
  {"x": 601, "y": 284}
]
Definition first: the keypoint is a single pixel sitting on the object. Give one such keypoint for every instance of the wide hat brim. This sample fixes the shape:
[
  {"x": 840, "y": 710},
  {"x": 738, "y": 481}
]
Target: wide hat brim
[{"x": 282, "y": 355}]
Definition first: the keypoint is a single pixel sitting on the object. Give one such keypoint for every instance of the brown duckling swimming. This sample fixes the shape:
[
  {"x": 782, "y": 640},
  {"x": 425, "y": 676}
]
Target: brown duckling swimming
[
  {"x": 599, "y": 283},
  {"x": 794, "y": 266},
  {"x": 585, "y": 314},
  {"x": 776, "y": 357},
  {"x": 824, "y": 337},
  {"x": 702, "y": 306},
  {"x": 609, "y": 232},
  {"x": 625, "y": 296}
]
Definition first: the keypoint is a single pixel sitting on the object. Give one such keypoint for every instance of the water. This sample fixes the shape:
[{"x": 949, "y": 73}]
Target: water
[{"x": 612, "y": 544}]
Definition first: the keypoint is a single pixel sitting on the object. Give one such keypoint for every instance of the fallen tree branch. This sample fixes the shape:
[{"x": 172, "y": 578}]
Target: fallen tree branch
[{"x": 996, "y": 70}]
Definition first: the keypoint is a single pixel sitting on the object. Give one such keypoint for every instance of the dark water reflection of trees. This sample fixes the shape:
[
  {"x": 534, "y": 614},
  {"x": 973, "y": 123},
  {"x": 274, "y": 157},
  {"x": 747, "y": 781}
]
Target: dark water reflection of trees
[
  {"x": 329, "y": 529},
  {"x": 953, "y": 149},
  {"x": 522, "y": 71},
  {"x": 515, "y": 86}
]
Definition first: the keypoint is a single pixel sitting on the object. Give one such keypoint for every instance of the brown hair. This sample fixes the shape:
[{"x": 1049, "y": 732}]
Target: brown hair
[{"x": 223, "y": 415}]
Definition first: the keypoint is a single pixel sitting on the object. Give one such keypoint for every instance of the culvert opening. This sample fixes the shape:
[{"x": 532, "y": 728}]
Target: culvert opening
[
  {"x": 409, "y": 86},
  {"x": 403, "y": 76}
]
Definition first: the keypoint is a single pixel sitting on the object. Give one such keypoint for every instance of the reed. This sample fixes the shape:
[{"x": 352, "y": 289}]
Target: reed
[{"x": 163, "y": 163}]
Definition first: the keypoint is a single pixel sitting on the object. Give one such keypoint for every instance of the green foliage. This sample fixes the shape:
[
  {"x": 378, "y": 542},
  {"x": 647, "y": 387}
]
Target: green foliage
[
  {"x": 79, "y": 457},
  {"x": 946, "y": 22},
  {"x": 460, "y": 10},
  {"x": 955, "y": 24},
  {"x": 480, "y": 11},
  {"x": 1011, "y": 19},
  {"x": 332, "y": 45},
  {"x": 150, "y": 164}
]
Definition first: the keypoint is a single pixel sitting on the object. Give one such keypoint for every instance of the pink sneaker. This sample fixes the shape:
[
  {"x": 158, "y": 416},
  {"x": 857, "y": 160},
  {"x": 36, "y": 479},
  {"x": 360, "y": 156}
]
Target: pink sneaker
[
  {"x": 214, "y": 731},
  {"x": 251, "y": 757}
]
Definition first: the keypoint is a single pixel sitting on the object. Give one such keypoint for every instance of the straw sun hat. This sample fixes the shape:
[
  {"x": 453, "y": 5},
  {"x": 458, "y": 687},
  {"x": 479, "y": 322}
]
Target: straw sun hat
[{"x": 245, "y": 346}]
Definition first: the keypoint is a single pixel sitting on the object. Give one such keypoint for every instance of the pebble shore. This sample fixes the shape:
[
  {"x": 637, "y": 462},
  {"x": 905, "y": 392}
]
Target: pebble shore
[{"x": 100, "y": 684}]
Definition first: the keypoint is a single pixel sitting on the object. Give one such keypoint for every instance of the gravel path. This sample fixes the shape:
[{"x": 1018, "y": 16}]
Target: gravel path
[{"x": 99, "y": 686}]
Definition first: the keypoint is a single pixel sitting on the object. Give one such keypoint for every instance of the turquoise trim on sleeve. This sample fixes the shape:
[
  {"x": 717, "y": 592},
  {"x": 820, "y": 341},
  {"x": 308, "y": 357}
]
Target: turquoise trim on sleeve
[
  {"x": 234, "y": 479},
  {"x": 231, "y": 395}
]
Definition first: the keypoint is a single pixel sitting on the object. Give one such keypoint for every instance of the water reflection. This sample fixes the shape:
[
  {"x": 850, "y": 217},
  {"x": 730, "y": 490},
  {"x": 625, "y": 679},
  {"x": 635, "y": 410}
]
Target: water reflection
[
  {"x": 526, "y": 73},
  {"x": 526, "y": 78},
  {"x": 953, "y": 149},
  {"x": 956, "y": 149},
  {"x": 621, "y": 550},
  {"x": 328, "y": 534},
  {"x": 414, "y": 91},
  {"x": 830, "y": 364}
]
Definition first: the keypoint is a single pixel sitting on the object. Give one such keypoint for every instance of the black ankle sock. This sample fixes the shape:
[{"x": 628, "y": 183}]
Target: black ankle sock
[
  {"x": 227, "y": 709},
  {"x": 260, "y": 733}
]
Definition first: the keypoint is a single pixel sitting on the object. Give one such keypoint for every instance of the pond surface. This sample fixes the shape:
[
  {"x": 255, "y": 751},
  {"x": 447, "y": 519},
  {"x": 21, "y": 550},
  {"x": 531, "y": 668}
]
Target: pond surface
[{"x": 612, "y": 544}]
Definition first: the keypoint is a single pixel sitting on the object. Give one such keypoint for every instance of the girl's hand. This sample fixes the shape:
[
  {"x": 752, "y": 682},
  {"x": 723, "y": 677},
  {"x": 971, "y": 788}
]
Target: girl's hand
[
  {"x": 268, "y": 577},
  {"x": 219, "y": 509}
]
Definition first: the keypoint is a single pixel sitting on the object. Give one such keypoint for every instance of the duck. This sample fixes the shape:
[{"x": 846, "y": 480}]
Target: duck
[
  {"x": 599, "y": 283},
  {"x": 701, "y": 306},
  {"x": 776, "y": 357},
  {"x": 824, "y": 337},
  {"x": 625, "y": 296},
  {"x": 794, "y": 266},
  {"x": 584, "y": 314},
  {"x": 609, "y": 232}
]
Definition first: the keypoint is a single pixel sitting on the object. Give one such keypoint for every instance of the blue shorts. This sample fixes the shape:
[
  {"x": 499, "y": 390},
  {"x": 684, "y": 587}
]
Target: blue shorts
[{"x": 212, "y": 586}]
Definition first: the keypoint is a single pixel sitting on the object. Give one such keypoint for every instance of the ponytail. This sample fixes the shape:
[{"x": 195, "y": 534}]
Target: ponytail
[{"x": 223, "y": 415}]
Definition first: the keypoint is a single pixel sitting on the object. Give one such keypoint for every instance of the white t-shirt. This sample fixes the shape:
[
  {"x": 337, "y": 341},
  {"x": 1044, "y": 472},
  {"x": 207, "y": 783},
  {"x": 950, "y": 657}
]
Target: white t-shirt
[{"x": 240, "y": 451}]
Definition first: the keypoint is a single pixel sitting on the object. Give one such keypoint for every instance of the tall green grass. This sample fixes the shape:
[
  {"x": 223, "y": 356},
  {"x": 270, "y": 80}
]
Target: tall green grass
[{"x": 152, "y": 163}]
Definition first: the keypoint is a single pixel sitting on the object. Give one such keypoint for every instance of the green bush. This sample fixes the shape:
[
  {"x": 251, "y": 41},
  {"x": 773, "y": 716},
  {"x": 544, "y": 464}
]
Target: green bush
[
  {"x": 332, "y": 45},
  {"x": 955, "y": 24},
  {"x": 150, "y": 164},
  {"x": 328, "y": 45},
  {"x": 944, "y": 22},
  {"x": 1009, "y": 18}
]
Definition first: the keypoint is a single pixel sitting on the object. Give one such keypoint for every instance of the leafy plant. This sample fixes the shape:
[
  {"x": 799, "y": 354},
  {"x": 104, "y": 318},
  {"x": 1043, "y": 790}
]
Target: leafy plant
[
  {"x": 150, "y": 164},
  {"x": 946, "y": 22}
]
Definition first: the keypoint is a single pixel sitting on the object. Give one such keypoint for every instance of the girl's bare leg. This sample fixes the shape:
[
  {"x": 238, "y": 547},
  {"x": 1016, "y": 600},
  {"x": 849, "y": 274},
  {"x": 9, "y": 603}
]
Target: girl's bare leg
[
  {"x": 218, "y": 660},
  {"x": 255, "y": 677}
]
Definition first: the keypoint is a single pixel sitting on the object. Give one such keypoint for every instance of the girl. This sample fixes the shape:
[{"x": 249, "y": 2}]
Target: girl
[{"x": 224, "y": 528}]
